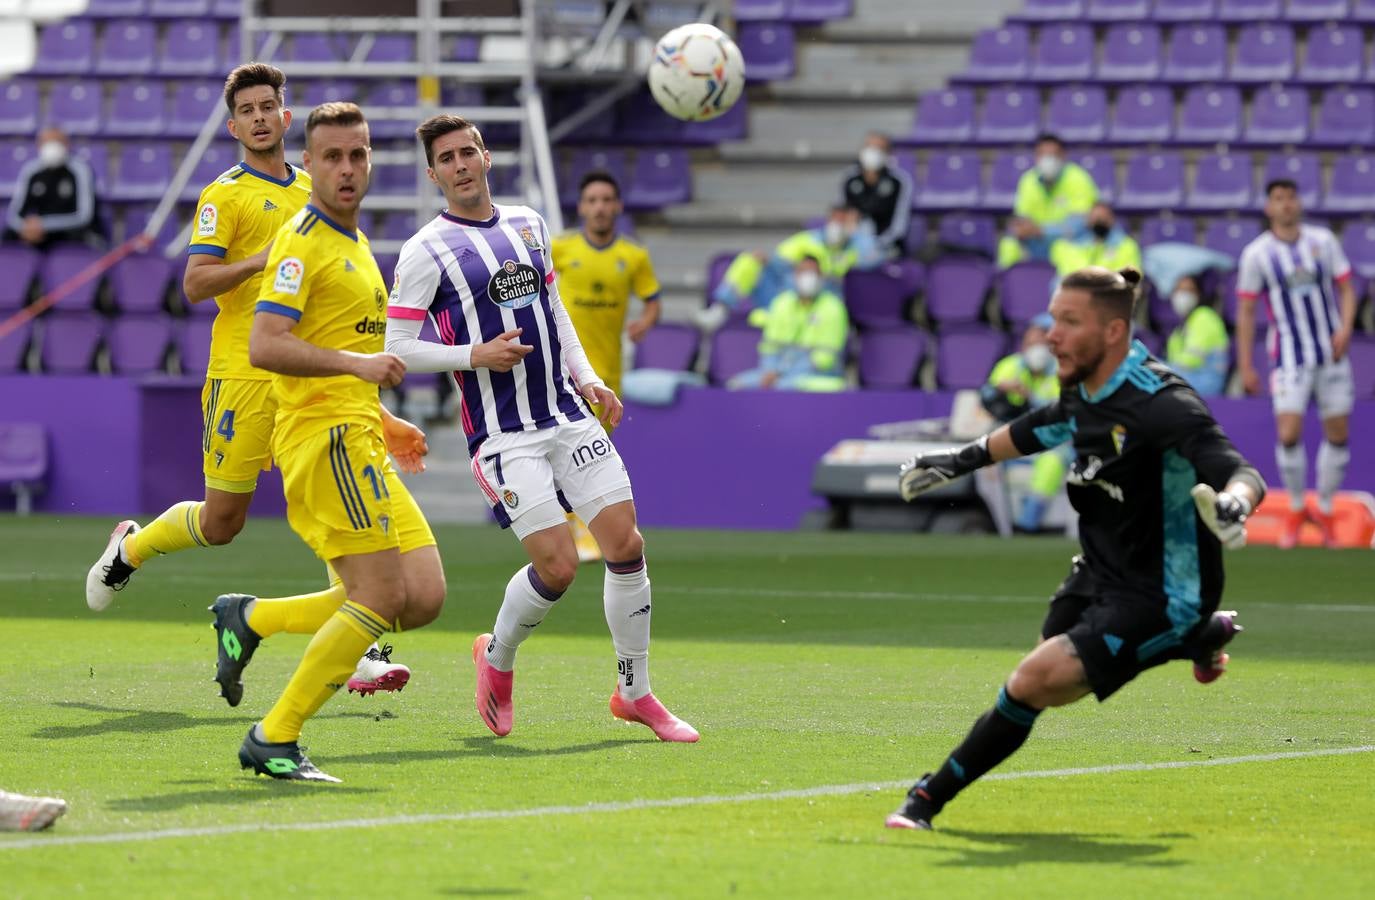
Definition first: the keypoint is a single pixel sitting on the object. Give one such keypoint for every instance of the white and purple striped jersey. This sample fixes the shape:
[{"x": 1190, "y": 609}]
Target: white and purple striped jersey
[
  {"x": 476, "y": 280},
  {"x": 1299, "y": 282}
]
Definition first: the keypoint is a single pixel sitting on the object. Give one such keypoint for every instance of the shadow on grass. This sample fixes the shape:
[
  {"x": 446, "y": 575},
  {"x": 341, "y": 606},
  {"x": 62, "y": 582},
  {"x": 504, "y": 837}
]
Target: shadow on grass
[
  {"x": 999, "y": 849},
  {"x": 483, "y": 745},
  {"x": 152, "y": 721},
  {"x": 257, "y": 790}
]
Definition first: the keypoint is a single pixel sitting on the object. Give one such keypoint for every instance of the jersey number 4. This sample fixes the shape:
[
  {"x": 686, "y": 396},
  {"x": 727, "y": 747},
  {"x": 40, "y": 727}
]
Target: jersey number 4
[{"x": 226, "y": 427}]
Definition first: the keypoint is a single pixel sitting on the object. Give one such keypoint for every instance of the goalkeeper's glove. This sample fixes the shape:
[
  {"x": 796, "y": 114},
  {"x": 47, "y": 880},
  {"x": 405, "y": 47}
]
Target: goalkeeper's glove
[
  {"x": 927, "y": 471},
  {"x": 1224, "y": 514}
]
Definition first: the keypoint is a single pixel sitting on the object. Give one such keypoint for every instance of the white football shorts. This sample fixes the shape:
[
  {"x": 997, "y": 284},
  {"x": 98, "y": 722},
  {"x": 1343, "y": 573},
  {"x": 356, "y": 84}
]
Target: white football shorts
[{"x": 1330, "y": 384}]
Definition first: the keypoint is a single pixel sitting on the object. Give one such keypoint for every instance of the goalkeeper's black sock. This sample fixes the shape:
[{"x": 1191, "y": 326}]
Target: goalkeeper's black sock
[{"x": 995, "y": 737}]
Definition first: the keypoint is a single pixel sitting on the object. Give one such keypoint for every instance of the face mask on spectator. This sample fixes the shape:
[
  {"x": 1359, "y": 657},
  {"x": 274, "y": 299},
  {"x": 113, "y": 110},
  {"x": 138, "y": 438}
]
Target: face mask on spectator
[
  {"x": 1038, "y": 358},
  {"x": 835, "y": 233},
  {"x": 1183, "y": 302},
  {"x": 808, "y": 284},
  {"x": 1101, "y": 229},
  {"x": 1048, "y": 166},
  {"x": 872, "y": 159},
  {"x": 52, "y": 154}
]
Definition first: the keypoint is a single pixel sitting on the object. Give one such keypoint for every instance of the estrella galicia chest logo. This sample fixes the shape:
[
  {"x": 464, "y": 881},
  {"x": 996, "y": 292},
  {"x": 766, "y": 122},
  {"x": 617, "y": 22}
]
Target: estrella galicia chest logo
[{"x": 514, "y": 286}]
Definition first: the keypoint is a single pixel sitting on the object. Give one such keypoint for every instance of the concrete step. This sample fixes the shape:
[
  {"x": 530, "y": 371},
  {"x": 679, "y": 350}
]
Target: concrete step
[
  {"x": 819, "y": 129},
  {"x": 896, "y": 71},
  {"x": 882, "y": 20}
]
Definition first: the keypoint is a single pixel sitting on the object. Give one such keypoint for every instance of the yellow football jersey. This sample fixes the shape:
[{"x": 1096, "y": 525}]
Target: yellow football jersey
[
  {"x": 595, "y": 284},
  {"x": 323, "y": 275},
  {"x": 238, "y": 214}
]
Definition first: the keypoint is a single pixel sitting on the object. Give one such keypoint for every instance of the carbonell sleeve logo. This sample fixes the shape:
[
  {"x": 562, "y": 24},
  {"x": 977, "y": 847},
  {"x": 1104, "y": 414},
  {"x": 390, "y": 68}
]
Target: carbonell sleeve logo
[{"x": 514, "y": 286}]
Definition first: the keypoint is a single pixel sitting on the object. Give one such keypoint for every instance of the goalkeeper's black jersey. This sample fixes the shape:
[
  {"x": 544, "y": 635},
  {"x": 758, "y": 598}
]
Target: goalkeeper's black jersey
[{"x": 1141, "y": 442}]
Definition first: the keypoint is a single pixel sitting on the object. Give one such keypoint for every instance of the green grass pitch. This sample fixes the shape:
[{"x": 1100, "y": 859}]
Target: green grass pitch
[{"x": 822, "y": 670}]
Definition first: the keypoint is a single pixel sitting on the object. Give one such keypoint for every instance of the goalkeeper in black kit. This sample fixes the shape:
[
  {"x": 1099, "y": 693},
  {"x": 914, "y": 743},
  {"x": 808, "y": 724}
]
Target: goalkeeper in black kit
[{"x": 1159, "y": 490}]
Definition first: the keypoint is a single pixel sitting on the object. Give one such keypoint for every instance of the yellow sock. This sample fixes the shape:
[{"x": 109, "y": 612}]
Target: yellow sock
[
  {"x": 329, "y": 660},
  {"x": 302, "y": 614},
  {"x": 179, "y": 528}
]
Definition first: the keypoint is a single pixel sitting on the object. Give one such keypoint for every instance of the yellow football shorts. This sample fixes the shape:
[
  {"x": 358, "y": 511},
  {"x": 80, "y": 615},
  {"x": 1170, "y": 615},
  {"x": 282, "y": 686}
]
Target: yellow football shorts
[
  {"x": 237, "y": 438},
  {"x": 343, "y": 496}
]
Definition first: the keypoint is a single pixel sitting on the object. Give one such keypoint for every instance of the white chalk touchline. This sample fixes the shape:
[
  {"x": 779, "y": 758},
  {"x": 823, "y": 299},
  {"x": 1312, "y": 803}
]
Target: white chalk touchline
[{"x": 830, "y": 790}]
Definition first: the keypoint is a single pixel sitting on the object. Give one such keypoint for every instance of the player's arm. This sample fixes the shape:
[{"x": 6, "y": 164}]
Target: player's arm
[
  {"x": 208, "y": 276},
  {"x": 272, "y": 346},
  {"x": 1346, "y": 296},
  {"x": 646, "y": 286},
  {"x": 1249, "y": 283}
]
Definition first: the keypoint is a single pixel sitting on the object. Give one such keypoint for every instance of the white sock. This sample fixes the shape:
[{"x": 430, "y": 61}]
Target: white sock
[
  {"x": 527, "y": 601},
  {"x": 1332, "y": 460},
  {"x": 1293, "y": 464},
  {"x": 626, "y": 602}
]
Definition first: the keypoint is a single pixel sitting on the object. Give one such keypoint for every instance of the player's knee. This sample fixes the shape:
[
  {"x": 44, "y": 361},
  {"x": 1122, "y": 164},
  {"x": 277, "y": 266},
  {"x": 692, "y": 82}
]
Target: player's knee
[
  {"x": 627, "y": 547},
  {"x": 424, "y": 601},
  {"x": 1335, "y": 431},
  {"x": 558, "y": 572},
  {"x": 219, "y": 530}
]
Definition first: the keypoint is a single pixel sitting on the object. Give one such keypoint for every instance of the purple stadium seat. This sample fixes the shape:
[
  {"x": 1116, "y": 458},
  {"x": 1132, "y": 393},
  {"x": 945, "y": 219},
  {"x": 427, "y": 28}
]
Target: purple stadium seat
[
  {"x": 394, "y": 179},
  {"x": 1024, "y": 291},
  {"x": 879, "y": 298},
  {"x": 1358, "y": 240},
  {"x": 768, "y": 50},
  {"x": 1184, "y": 10},
  {"x": 890, "y": 359},
  {"x": 14, "y": 349},
  {"x": 1209, "y": 115},
  {"x": 140, "y": 281},
  {"x": 191, "y": 48},
  {"x": 1336, "y": 53},
  {"x": 111, "y": 9},
  {"x": 127, "y": 47},
  {"x": 1264, "y": 52},
  {"x": 999, "y": 54},
  {"x": 59, "y": 265},
  {"x": 23, "y": 462},
  {"x": 952, "y": 181},
  {"x": 1227, "y": 292},
  {"x": 392, "y": 48},
  {"x": 1131, "y": 52},
  {"x": 732, "y": 125},
  {"x": 1230, "y": 236},
  {"x": 668, "y": 346},
  {"x": 968, "y": 233},
  {"x": 313, "y": 93},
  {"x": 74, "y": 106},
  {"x": 1346, "y": 117},
  {"x": 1078, "y": 114},
  {"x": 1051, "y": 10},
  {"x": 916, "y": 233},
  {"x": 660, "y": 177},
  {"x": 138, "y": 344},
  {"x": 1196, "y": 52},
  {"x": 1154, "y": 342},
  {"x": 169, "y": 8},
  {"x": 1103, "y": 170},
  {"x": 1165, "y": 228},
  {"x": 193, "y": 345},
  {"x": 584, "y": 160},
  {"x": 70, "y": 341},
  {"x": 964, "y": 358},
  {"x": 144, "y": 170},
  {"x": 1316, "y": 10},
  {"x": 1363, "y": 11},
  {"x": 1362, "y": 353},
  {"x": 19, "y": 108},
  {"x": 20, "y": 264},
  {"x": 318, "y": 47},
  {"x": 1302, "y": 168},
  {"x": 1279, "y": 115},
  {"x": 136, "y": 109},
  {"x": 1222, "y": 181},
  {"x": 1006, "y": 171},
  {"x": 733, "y": 350},
  {"x": 1249, "y": 10},
  {"x": 1011, "y": 115},
  {"x": 945, "y": 116},
  {"x": 392, "y": 94},
  {"x": 955, "y": 289},
  {"x": 1153, "y": 181},
  {"x": 716, "y": 270},
  {"x": 1118, "y": 10},
  {"x": 97, "y": 156},
  {"x": 1064, "y": 52},
  {"x": 761, "y": 10},
  {"x": 398, "y": 227},
  {"x": 819, "y": 10},
  {"x": 1352, "y": 188},
  {"x": 65, "y": 48},
  {"x": 191, "y": 103},
  {"x": 1143, "y": 114},
  {"x": 217, "y": 160}
]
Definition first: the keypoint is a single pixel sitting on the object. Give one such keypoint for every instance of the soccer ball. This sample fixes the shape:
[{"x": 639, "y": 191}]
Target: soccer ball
[{"x": 697, "y": 73}]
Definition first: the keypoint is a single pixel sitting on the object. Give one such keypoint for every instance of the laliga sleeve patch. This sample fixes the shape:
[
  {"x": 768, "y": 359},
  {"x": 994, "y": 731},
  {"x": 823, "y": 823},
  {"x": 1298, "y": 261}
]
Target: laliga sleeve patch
[
  {"x": 289, "y": 274},
  {"x": 206, "y": 220}
]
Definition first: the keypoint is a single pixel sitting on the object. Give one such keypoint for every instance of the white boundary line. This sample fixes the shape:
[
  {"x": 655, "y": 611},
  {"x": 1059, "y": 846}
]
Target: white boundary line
[{"x": 831, "y": 790}]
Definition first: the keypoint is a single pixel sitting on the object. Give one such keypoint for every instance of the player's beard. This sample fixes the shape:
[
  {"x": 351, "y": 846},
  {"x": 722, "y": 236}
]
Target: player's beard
[{"x": 1083, "y": 369}]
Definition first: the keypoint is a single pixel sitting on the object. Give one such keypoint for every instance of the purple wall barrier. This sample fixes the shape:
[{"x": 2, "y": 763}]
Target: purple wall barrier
[{"x": 716, "y": 459}]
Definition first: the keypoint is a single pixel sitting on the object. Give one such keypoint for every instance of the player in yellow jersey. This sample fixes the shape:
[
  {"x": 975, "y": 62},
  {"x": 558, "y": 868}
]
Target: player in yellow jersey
[
  {"x": 319, "y": 326},
  {"x": 598, "y": 269},
  {"x": 237, "y": 217}
]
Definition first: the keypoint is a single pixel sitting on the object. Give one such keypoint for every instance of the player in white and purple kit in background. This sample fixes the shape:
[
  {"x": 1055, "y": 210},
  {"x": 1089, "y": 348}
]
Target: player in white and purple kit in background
[
  {"x": 483, "y": 275},
  {"x": 1302, "y": 271}
]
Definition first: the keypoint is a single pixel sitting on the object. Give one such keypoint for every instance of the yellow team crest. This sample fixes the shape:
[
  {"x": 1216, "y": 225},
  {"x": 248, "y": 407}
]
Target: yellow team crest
[{"x": 1119, "y": 437}]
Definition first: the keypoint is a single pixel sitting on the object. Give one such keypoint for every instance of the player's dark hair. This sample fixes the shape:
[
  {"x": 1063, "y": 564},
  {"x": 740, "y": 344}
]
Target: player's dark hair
[
  {"x": 1113, "y": 293},
  {"x": 599, "y": 177},
  {"x": 435, "y": 127},
  {"x": 1280, "y": 183},
  {"x": 250, "y": 75},
  {"x": 1047, "y": 137},
  {"x": 336, "y": 112}
]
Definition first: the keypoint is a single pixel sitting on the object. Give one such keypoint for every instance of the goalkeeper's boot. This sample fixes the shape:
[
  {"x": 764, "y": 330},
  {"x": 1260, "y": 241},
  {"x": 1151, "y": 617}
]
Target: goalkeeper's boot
[
  {"x": 376, "y": 672},
  {"x": 917, "y": 810},
  {"x": 649, "y": 711},
  {"x": 21, "y": 813},
  {"x": 286, "y": 760},
  {"x": 110, "y": 573},
  {"x": 493, "y": 694},
  {"x": 234, "y": 643},
  {"x": 1210, "y": 663}
]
